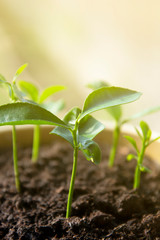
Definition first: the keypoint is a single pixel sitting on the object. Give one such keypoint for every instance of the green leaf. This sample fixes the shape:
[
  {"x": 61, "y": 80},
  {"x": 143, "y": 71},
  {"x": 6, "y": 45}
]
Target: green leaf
[
  {"x": 91, "y": 151},
  {"x": 131, "y": 156},
  {"x": 26, "y": 113},
  {"x": 49, "y": 91},
  {"x": 108, "y": 97},
  {"x": 29, "y": 89},
  {"x": 115, "y": 112},
  {"x": 19, "y": 71},
  {"x": 133, "y": 142},
  {"x": 71, "y": 116},
  {"x": 145, "y": 128},
  {"x": 64, "y": 133},
  {"x": 89, "y": 127},
  {"x": 139, "y": 134},
  {"x": 54, "y": 107},
  {"x": 143, "y": 113},
  {"x": 153, "y": 140}
]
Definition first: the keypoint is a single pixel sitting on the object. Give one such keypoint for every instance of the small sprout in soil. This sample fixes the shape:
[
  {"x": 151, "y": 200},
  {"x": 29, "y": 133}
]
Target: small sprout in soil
[
  {"x": 31, "y": 91},
  {"x": 117, "y": 113},
  {"x": 13, "y": 97},
  {"x": 78, "y": 127},
  {"x": 145, "y": 137}
]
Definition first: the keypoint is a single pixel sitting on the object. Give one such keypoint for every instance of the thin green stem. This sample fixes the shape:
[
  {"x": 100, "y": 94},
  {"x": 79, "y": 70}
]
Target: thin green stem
[
  {"x": 74, "y": 169},
  {"x": 113, "y": 151},
  {"x": 36, "y": 141},
  {"x": 137, "y": 175},
  {"x": 15, "y": 159}
]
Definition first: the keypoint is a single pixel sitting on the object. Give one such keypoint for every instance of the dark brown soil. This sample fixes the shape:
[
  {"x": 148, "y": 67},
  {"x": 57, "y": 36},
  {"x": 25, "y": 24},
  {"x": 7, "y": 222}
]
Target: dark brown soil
[{"x": 104, "y": 204}]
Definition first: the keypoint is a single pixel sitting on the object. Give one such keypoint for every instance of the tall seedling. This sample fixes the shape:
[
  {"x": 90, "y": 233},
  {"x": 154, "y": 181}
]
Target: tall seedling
[
  {"x": 78, "y": 127},
  {"x": 145, "y": 136},
  {"x": 31, "y": 91},
  {"x": 13, "y": 97},
  {"x": 117, "y": 114}
]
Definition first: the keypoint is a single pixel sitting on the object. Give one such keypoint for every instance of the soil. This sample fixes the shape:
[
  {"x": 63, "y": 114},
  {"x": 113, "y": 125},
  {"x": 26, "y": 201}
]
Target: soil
[{"x": 104, "y": 204}]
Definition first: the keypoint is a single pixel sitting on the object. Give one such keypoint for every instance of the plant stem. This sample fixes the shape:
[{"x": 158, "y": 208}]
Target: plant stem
[
  {"x": 74, "y": 169},
  {"x": 36, "y": 140},
  {"x": 137, "y": 174},
  {"x": 113, "y": 151},
  {"x": 15, "y": 159}
]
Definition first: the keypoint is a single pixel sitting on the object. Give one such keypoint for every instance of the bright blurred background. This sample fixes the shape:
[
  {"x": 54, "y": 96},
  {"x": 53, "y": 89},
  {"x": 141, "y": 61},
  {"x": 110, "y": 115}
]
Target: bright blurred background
[{"x": 77, "y": 42}]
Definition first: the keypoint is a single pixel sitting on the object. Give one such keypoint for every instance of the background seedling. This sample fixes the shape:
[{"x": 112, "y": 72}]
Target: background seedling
[
  {"x": 31, "y": 91},
  {"x": 117, "y": 114},
  {"x": 78, "y": 127},
  {"x": 145, "y": 137},
  {"x": 13, "y": 97}
]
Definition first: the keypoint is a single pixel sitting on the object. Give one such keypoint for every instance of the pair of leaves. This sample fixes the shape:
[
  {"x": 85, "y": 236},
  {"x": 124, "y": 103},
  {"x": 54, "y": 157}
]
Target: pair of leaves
[
  {"x": 145, "y": 137},
  {"x": 27, "y": 113},
  {"x": 33, "y": 93},
  {"x": 88, "y": 128}
]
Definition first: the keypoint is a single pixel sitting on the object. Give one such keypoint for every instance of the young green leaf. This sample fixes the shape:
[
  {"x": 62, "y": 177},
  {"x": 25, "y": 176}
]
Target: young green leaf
[
  {"x": 64, "y": 133},
  {"x": 133, "y": 142},
  {"x": 145, "y": 138},
  {"x": 19, "y": 71},
  {"x": 131, "y": 156},
  {"x": 145, "y": 129},
  {"x": 142, "y": 114},
  {"x": 71, "y": 117},
  {"x": 29, "y": 89},
  {"x": 108, "y": 97},
  {"x": 49, "y": 91},
  {"x": 26, "y": 113},
  {"x": 116, "y": 111},
  {"x": 91, "y": 151},
  {"x": 89, "y": 127}
]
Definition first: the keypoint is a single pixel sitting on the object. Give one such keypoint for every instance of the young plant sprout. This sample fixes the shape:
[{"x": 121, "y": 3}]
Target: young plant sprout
[
  {"x": 77, "y": 127},
  {"x": 117, "y": 114},
  {"x": 145, "y": 137},
  {"x": 14, "y": 98},
  {"x": 31, "y": 91}
]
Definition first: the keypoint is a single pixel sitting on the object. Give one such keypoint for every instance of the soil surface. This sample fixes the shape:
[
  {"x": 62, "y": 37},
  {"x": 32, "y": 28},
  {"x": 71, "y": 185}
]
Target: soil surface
[{"x": 104, "y": 204}]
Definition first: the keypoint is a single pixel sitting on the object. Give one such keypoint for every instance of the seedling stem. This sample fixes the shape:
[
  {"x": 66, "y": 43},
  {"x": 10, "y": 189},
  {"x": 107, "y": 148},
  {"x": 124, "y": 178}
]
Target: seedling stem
[
  {"x": 15, "y": 159},
  {"x": 116, "y": 133},
  {"x": 74, "y": 169}
]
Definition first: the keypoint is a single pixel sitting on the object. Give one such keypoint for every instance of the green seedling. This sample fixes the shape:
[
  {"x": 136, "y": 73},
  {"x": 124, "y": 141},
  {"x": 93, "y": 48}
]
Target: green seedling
[
  {"x": 13, "y": 97},
  {"x": 78, "y": 127},
  {"x": 117, "y": 114},
  {"x": 145, "y": 137},
  {"x": 31, "y": 91}
]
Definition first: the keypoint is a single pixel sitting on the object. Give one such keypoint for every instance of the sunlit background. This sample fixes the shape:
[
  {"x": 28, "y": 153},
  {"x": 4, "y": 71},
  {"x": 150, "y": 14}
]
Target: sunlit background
[{"x": 77, "y": 42}]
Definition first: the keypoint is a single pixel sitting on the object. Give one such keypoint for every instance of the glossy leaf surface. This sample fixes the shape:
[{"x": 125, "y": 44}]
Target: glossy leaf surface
[
  {"x": 26, "y": 113},
  {"x": 116, "y": 111},
  {"x": 89, "y": 127},
  {"x": 108, "y": 97}
]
